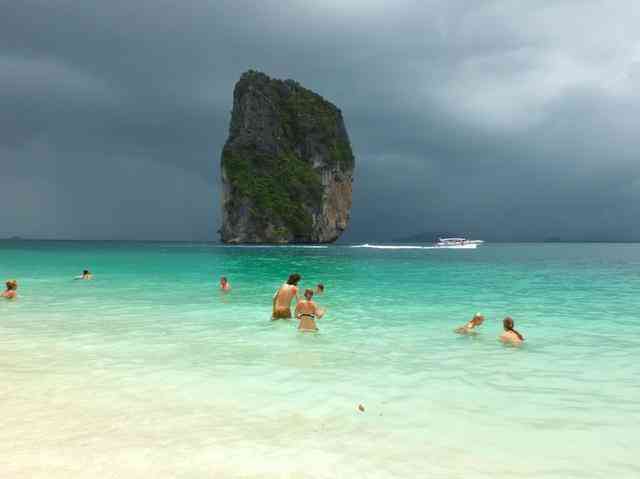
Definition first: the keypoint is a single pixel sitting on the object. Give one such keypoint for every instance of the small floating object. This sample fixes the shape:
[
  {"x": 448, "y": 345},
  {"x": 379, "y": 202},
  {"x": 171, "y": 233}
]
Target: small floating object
[{"x": 360, "y": 408}]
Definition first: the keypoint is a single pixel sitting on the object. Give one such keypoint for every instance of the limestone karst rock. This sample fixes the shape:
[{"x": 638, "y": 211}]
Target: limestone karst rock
[{"x": 287, "y": 165}]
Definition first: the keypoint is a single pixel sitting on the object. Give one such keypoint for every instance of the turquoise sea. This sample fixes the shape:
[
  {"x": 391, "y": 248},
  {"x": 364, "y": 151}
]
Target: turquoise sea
[{"x": 149, "y": 371}]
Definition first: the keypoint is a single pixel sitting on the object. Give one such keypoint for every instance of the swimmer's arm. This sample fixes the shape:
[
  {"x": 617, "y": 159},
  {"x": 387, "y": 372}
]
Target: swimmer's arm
[{"x": 319, "y": 312}]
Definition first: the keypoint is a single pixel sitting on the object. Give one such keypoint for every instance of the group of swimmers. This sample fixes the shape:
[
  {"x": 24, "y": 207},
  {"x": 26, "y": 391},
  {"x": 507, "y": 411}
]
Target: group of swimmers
[
  {"x": 307, "y": 311},
  {"x": 510, "y": 335},
  {"x": 11, "y": 286}
]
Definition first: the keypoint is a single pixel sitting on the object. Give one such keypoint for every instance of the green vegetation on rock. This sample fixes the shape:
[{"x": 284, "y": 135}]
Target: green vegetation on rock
[
  {"x": 341, "y": 155},
  {"x": 277, "y": 187}
]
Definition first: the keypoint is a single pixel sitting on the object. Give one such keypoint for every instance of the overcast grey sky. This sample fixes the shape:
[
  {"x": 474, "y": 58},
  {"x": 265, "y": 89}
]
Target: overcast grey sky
[{"x": 495, "y": 119}]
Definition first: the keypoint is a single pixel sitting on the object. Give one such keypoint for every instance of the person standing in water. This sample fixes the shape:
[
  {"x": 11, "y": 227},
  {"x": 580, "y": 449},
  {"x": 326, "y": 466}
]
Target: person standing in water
[
  {"x": 510, "y": 335},
  {"x": 307, "y": 312},
  {"x": 283, "y": 297},
  {"x": 320, "y": 288},
  {"x": 11, "y": 291},
  {"x": 225, "y": 286},
  {"x": 470, "y": 327}
]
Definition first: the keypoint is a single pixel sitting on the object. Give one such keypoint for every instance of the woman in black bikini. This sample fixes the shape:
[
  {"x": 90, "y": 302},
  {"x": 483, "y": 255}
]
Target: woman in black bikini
[{"x": 307, "y": 312}]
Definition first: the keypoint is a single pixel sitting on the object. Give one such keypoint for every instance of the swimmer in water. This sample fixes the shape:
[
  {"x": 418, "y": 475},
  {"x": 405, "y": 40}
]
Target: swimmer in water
[
  {"x": 11, "y": 291},
  {"x": 510, "y": 335},
  {"x": 86, "y": 274},
  {"x": 307, "y": 312},
  {"x": 225, "y": 286},
  {"x": 470, "y": 327},
  {"x": 284, "y": 296},
  {"x": 320, "y": 288}
]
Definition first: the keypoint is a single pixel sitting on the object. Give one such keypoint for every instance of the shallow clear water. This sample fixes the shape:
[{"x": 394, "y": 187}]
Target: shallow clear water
[{"x": 149, "y": 371}]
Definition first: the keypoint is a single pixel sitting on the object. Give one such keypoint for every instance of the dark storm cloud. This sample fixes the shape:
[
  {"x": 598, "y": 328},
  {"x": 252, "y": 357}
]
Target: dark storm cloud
[{"x": 505, "y": 120}]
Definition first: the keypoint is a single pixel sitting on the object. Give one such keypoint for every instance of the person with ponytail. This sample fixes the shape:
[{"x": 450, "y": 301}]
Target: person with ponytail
[{"x": 510, "y": 335}]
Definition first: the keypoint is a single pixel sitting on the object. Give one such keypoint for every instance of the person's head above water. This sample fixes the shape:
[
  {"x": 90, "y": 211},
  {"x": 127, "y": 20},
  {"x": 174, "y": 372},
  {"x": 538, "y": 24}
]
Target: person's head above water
[
  {"x": 320, "y": 288},
  {"x": 293, "y": 279},
  {"x": 308, "y": 293},
  {"x": 224, "y": 284},
  {"x": 12, "y": 285},
  {"x": 477, "y": 319},
  {"x": 85, "y": 272},
  {"x": 508, "y": 326}
]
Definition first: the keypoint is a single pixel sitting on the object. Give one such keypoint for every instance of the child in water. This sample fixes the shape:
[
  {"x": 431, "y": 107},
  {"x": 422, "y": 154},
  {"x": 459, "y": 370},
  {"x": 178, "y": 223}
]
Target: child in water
[
  {"x": 470, "y": 327},
  {"x": 510, "y": 335},
  {"x": 307, "y": 312},
  {"x": 10, "y": 292}
]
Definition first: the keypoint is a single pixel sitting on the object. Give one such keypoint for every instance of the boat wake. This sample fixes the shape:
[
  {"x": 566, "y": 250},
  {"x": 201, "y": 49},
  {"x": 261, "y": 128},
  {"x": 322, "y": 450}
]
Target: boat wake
[{"x": 380, "y": 246}]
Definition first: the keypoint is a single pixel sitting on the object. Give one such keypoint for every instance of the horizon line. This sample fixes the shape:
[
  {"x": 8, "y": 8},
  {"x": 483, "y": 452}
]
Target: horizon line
[{"x": 337, "y": 243}]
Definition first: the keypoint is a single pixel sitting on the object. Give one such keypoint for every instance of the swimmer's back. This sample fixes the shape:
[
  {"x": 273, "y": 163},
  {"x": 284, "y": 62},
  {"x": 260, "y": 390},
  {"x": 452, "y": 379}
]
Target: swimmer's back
[{"x": 285, "y": 295}]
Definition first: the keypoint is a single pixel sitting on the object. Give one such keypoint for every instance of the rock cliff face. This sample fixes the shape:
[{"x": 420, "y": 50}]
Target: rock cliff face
[{"x": 287, "y": 166}]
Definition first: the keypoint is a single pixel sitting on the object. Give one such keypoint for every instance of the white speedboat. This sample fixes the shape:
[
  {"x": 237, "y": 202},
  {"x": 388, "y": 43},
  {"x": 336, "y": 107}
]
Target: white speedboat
[{"x": 457, "y": 243}]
